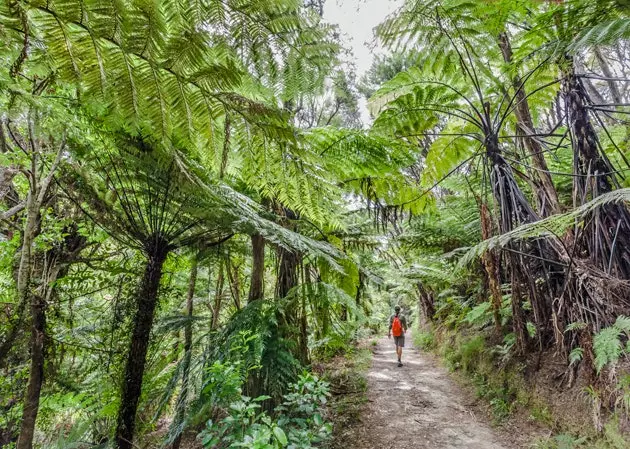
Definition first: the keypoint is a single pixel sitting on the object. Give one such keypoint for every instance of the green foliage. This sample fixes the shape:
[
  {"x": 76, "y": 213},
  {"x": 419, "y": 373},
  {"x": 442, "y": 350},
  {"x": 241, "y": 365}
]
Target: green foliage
[
  {"x": 562, "y": 441},
  {"x": 297, "y": 423},
  {"x": 424, "y": 340},
  {"x": 452, "y": 311},
  {"x": 552, "y": 226},
  {"x": 607, "y": 343}
]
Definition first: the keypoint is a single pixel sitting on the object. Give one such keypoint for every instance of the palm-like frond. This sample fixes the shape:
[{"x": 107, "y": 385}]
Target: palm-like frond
[
  {"x": 553, "y": 226},
  {"x": 173, "y": 68}
]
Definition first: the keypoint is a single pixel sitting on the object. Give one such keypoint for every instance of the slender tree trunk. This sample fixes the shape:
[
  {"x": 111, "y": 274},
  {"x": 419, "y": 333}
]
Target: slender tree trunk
[
  {"x": 303, "y": 349},
  {"x": 183, "y": 396},
  {"x": 36, "y": 376},
  {"x": 139, "y": 344},
  {"x": 218, "y": 297},
  {"x": 256, "y": 287},
  {"x": 38, "y": 319},
  {"x": 427, "y": 308},
  {"x": 615, "y": 94},
  {"x": 236, "y": 284},
  {"x": 360, "y": 289},
  {"x": 546, "y": 191}
]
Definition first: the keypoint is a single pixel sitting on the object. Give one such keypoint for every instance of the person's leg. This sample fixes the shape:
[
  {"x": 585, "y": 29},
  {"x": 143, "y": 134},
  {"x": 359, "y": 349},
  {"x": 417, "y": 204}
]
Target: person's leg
[
  {"x": 397, "y": 343},
  {"x": 399, "y": 348}
]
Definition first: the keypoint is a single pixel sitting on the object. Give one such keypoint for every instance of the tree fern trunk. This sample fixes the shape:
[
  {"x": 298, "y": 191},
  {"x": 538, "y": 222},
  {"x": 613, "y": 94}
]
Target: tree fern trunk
[
  {"x": 607, "y": 234},
  {"x": 183, "y": 396},
  {"x": 491, "y": 266},
  {"x": 36, "y": 376},
  {"x": 518, "y": 314},
  {"x": 157, "y": 251},
  {"x": 256, "y": 286},
  {"x": 546, "y": 193},
  {"x": 288, "y": 278},
  {"x": 287, "y": 272},
  {"x": 425, "y": 300}
]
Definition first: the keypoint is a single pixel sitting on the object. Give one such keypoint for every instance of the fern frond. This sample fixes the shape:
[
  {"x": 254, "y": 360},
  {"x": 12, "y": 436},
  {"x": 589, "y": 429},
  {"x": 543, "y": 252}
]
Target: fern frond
[{"x": 552, "y": 226}]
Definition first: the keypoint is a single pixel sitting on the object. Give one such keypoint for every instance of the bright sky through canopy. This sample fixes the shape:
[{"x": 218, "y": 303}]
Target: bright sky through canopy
[{"x": 356, "y": 20}]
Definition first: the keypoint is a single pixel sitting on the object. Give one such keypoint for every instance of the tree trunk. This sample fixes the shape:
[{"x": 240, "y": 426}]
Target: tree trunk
[
  {"x": 303, "y": 340},
  {"x": 39, "y": 300},
  {"x": 218, "y": 297},
  {"x": 491, "y": 266},
  {"x": 38, "y": 322},
  {"x": 139, "y": 345},
  {"x": 615, "y": 94},
  {"x": 548, "y": 202},
  {"x": 256, "y": 286},
  {"x": 607, "y": 233},
  {"x": 183, "y": 396},
  {"x": 36, "y": 376},
  {"x": 426, "y": 303},
  {"x": 289, "y": 262},
  {"x": 231, "y": 271},
  {"x": 360, "y": 289},
  {"x": 518, "y": 314},
  {"x": 287, "y": 272}
]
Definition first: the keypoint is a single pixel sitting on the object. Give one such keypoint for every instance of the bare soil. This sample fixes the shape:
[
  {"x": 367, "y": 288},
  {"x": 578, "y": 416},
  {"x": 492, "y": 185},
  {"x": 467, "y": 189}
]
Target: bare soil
[{"x": 419, "y": 406}]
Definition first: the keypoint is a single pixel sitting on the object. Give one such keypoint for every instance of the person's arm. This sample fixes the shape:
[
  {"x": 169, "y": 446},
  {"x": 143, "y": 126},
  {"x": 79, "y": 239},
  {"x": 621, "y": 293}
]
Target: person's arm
[
  {"x": 389, "y": 332},
  {"x": 403, "y": 321}
]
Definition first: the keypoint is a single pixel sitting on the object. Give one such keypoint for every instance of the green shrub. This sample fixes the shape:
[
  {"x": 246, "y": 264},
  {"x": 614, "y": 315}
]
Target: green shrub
[
  {"x": 424, "y": 340},
  {"x": 452, "y": 311},
  {"x": 471, "y": 352},
  {"x": 296, "y": 423}
]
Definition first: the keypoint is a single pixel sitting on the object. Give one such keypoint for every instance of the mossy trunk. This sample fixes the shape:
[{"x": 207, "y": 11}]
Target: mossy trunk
[
  {"x": 256, "y": 285},
  {"x": 36, "y": 303},
  {"x": 491, "y": 266},
  {"x": 183, "y": 395},
  {"x": 146, "y": 303},
  {"x": 425, "y": 300},
  {"x": 218, "y": 296},
  {"x": 36, "y": 375}
]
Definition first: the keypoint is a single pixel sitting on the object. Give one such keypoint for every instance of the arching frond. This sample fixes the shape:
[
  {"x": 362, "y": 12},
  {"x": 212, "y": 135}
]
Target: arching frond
[{"x": 553, "y": 226}]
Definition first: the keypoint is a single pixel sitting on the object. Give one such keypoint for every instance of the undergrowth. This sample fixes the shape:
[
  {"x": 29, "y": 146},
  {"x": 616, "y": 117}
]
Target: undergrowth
[
  {"x": 347, "y": 375},
  {"x": 499, "y": 380}
]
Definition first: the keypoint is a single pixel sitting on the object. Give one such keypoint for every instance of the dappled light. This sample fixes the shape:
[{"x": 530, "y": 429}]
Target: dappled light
[{"x": 213, "y": 214}]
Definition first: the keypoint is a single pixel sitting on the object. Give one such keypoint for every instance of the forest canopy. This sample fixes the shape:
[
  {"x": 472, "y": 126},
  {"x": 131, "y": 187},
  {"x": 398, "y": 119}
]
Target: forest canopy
[{"x": 193, "y": 216}]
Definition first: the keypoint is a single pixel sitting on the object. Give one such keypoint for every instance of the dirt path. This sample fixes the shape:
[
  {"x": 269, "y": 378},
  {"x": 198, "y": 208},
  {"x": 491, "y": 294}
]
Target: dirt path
[{"x": 419, "y": 406}]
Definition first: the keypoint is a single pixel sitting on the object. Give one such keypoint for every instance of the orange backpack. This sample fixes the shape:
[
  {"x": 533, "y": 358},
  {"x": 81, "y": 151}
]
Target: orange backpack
[{"x": 397, "y": 329}]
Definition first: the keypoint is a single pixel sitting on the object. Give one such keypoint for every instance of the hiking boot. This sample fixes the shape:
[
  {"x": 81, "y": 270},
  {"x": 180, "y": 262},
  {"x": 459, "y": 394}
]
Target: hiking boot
[{"x": 399, "y": 364}]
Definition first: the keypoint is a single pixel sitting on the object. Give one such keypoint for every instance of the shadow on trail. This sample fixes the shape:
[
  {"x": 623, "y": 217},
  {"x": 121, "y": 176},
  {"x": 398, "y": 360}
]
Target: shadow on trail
[{"x": 417, "y": 406}]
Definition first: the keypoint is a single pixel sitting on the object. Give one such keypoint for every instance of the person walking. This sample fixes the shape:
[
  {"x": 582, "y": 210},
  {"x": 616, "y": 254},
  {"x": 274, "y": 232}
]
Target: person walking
[{"x": 398, "y": 327}]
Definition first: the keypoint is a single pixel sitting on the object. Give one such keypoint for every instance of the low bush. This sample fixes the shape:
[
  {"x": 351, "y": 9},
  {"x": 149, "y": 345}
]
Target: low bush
[{"x": 295, "y": 424}]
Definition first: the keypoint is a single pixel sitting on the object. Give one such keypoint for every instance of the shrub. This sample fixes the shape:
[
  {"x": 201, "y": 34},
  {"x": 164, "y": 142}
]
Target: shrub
[
  {"x": 424, "y": 340},
  {"x": 296, "y": 424},
  {"x": 471, "y": 352}
]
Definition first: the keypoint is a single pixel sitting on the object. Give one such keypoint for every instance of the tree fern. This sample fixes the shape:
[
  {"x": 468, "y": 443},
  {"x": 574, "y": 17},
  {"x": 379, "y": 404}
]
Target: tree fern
[{"x": 552, "y": 226}]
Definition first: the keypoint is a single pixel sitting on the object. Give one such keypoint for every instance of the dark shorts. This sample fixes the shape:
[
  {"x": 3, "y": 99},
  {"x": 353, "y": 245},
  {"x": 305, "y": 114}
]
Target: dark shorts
[{"x": 399, "y": 341}]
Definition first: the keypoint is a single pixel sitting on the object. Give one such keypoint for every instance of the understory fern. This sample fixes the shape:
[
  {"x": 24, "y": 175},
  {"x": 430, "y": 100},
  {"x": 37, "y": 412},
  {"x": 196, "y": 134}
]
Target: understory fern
[{"x": 608, "y": 345}]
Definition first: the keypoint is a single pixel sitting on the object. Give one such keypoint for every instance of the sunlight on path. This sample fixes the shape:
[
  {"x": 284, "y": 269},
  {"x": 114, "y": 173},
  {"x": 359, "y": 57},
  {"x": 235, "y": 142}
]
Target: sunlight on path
[{"x": 418, "y": 407}]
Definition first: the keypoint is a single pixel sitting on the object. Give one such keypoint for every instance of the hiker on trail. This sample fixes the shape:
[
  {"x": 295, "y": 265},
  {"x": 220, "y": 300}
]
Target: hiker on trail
[{"x": 398, "y": 327}]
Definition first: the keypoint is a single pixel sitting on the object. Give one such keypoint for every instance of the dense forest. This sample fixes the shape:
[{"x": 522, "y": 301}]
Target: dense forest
[{"x": 194, "y": 218}]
